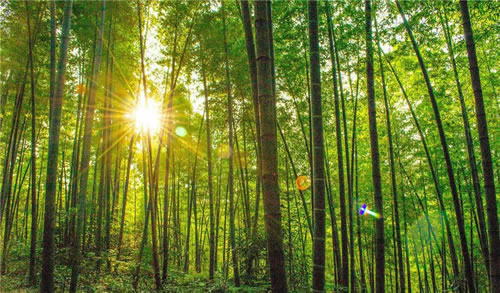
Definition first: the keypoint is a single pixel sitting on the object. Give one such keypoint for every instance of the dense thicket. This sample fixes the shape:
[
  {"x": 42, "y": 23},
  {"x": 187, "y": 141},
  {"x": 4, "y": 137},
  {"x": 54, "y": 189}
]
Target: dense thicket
[{"x": 249, "y": 145}]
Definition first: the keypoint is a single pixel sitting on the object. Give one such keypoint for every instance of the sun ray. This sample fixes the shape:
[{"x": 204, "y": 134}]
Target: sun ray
[
  {"x": 80, "y": 173},
  {"x": 116, "y": 141}
]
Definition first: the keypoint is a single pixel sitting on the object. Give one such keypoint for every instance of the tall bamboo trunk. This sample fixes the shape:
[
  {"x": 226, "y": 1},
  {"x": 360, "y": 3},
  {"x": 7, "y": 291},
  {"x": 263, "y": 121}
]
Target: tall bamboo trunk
[
  {"x": 393, "y": 171},
  {"x": 344, "y": 275},
  {"x": 167, "y": 163},
  {"x": 230, "y": 149},
  {"x": 125, "y": 193},
  {"x": 350, "y": 276},
  {"x": 32, "y": 276},
  {"x": 377, "y": 187},
  {"x": 301, "y": 193},
  {"x": 269, "y": 154},
  {"x": 318, "y": 179},
  {"x": 252, "y": 65},
  {"x": 192, "y": 204},
  {"x": 333, "y": 220},
  {"x": 209, "y": 171},
  {"x": 47, "y": 283},
  {"x": 484, "y": 142},
  {"x": 144, "y": 239},
  {"x": 407, "y": 249},
  {"x": 190, "y": 196},
  {"x": 107, "y": 155}
]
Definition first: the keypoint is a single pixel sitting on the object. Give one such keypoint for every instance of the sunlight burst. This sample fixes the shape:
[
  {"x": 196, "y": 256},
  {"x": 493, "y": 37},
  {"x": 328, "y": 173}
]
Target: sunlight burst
[{"x": 146, "y": 116}]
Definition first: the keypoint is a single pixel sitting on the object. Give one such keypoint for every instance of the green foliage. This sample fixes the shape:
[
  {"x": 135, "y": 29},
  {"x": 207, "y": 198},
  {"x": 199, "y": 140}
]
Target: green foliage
[{"x": 191, "y": 32}]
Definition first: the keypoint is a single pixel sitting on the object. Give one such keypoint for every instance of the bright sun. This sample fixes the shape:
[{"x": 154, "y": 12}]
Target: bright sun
[{"x": 146, "y": 117}]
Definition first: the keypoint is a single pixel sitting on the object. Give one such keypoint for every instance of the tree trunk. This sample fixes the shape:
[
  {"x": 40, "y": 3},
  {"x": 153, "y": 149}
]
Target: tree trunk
[
  {"x": 209, "y": 171},
  {"x": 344, "y": 275},
  {"x": 393, "y": 171},
  {"x": 190, "y": 197},
  {"x": 192, "y": 203},
  {"x": 167, "y": 163},
  {"x": 230, "y": 149},
  {"x": 144, "y": 239},
  {"x": 47, "y": 284},
  {"x": 377, "y": 187},
  {"x": 125, "y": 192},
  {"x": 252, "y": 65},
  {"x": 301, "y": 193},
  {"x": 269, "y": 154},
  {"x": 32, "y": 276},
  {"x": 351, "y": 275},
  {"x": 484, "y": 142},
  {"x": 333, "y": 221},
  {"x": 289, "y": 223},
  {"x": 318, "y": 282},
  {"x": 107, "y": 154}
]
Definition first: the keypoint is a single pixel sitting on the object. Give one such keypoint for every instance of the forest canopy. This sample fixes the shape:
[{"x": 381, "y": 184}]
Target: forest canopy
[{"x": 253, "y": 146}]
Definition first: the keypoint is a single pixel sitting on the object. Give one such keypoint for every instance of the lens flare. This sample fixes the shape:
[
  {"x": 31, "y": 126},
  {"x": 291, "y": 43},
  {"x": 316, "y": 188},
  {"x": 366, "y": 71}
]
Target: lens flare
[
  {"x": 80, "y": 89},
  {"x": 363, "y": 211},
  {"x": 303, "y": 182},
  {"x": 180, "y": 131}
]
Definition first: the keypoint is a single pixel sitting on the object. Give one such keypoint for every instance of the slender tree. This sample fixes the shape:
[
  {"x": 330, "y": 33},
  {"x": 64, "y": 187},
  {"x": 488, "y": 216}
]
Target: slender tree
[
  {"x": 344, "y": 275},
  {"x": 47, "y": 283},
  {"x": 318, "y": 282},
  {"x": 167, "y": 163},
  {"x": 32, "y": 276},
  {"x": 484, "y": 142},
  {"x": 209, "y": 171},
  {"x": 125, "y": 193},
  {"x": 252, "y": 66},
  {"x": 393, "y": 170},
  {"x": 230, "y": 149},
  {"x": 377, "y": 186},
  {"x": 107, "y": 153}
]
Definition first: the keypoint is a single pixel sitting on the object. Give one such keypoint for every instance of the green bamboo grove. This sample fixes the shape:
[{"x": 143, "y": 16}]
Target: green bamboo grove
[{"x": 249, "y": 146}]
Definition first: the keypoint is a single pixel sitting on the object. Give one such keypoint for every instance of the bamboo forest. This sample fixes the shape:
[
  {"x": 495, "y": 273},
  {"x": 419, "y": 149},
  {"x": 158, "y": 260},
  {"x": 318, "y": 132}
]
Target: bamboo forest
[{"x": 249, "y": 146}]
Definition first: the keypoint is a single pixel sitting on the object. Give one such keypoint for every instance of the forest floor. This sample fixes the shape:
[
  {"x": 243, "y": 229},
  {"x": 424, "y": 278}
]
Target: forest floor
[{"x": 116, "y": 279}]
